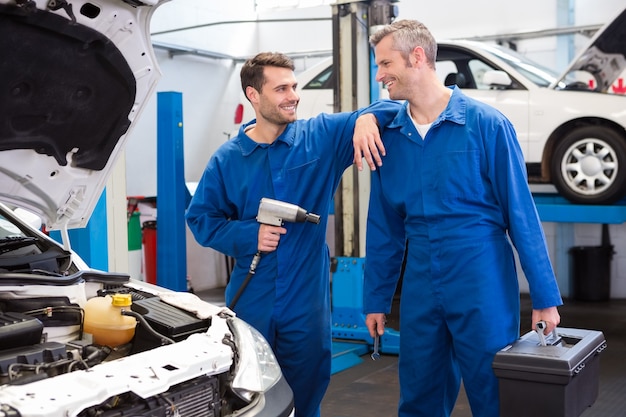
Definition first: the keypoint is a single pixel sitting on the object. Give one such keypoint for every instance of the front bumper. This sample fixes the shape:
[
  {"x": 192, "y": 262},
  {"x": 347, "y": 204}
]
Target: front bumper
[{"x": 276, "y": 402}]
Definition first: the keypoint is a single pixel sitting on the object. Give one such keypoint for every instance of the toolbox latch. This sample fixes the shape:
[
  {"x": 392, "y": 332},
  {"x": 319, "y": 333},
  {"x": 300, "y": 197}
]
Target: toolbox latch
[{"x": 579, "y": 368}]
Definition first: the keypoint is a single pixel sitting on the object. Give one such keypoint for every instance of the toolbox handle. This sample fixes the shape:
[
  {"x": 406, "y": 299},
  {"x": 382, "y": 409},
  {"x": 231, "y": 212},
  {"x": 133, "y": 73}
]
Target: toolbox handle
[{"x": 541, "y": 325}]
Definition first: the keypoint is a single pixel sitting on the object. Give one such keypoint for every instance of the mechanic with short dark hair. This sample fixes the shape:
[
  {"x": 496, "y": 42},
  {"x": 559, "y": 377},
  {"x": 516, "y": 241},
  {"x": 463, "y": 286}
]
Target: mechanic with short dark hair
[
  {"x": 453, "y": 191},
  {"x": 296, "y": 161}
]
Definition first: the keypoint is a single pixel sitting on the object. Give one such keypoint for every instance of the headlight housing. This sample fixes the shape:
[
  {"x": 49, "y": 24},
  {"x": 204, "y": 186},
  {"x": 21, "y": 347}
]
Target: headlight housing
[{"x": 257, "y": 369}]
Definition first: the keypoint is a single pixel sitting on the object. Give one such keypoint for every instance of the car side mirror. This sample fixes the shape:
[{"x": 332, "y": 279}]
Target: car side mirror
[{"x": 499, "y": 80}]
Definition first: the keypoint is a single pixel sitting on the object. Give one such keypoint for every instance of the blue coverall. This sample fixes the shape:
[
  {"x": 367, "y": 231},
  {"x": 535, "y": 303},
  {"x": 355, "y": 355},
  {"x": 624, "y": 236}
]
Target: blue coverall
[
  {"x": 288, "y": 298},
  {"x": 453, "y": 197}
]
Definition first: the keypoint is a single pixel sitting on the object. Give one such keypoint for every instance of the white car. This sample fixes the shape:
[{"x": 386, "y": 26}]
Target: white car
[
  {"x": 571, "y": 127},
  {"x": 76, "y": 341}
]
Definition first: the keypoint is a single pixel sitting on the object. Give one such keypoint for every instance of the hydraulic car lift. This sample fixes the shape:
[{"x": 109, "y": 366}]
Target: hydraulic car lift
[
  {"x": 351, "y": 339},
  {"x": 554, "y": 208}
]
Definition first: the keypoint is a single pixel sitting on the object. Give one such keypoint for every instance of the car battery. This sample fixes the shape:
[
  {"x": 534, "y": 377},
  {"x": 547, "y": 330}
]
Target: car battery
[
  {"x": 166, "y": 320},
  {"x": 549, "y": 376}
]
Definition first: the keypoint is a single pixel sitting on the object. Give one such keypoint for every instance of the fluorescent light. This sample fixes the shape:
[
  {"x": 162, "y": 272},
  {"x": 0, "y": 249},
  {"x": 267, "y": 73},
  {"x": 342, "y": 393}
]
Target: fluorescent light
[{"x": 289, "y": 4}]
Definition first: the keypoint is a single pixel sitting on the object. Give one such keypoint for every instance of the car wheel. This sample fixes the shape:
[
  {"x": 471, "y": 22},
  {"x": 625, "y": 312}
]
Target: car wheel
[{"x": 589, "y": 166}]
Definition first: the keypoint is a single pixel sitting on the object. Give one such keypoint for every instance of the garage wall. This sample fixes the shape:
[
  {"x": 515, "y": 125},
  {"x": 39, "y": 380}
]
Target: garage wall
[{"x": 211, "y": 91}]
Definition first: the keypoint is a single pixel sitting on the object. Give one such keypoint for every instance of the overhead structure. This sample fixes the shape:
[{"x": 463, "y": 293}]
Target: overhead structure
[{"x": 353, "y": 22}]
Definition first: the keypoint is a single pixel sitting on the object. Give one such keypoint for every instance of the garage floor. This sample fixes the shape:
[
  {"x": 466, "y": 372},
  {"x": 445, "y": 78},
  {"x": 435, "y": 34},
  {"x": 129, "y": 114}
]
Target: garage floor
[{"x": 371, "y": 387}]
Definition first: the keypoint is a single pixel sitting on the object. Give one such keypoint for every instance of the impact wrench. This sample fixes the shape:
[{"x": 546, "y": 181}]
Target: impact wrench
[{"x": 274, "y": 213}]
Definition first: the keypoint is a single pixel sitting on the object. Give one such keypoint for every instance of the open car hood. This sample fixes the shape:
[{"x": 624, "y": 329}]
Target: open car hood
[
  {"x": 604, "y": 59},
  {"x": 75, "y": 77}
]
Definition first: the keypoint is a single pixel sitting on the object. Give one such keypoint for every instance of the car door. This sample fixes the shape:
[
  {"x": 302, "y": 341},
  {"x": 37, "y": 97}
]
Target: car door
[{"x": 316, "y": 95}]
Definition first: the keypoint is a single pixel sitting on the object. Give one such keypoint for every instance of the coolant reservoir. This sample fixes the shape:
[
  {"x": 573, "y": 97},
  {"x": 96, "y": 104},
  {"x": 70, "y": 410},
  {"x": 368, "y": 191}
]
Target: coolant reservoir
[{"x": 104, "y": 320}]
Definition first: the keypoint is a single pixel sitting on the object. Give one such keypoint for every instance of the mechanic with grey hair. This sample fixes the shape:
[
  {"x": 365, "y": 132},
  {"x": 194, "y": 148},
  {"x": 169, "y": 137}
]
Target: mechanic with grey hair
[
  {"x": 299, "y": 162},
  {"x": 453, "y": 192}
]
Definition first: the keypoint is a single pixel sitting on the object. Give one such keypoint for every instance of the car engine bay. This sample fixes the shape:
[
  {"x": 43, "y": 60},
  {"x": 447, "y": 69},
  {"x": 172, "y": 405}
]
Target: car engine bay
[{"x": 43, "y": 342}]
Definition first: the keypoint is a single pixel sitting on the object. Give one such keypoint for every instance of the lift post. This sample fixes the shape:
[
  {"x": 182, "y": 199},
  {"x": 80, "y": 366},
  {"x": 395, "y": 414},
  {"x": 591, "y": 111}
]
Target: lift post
[
  {"x": 353, "y": 22},
  {"x": 172, "y": 193}
]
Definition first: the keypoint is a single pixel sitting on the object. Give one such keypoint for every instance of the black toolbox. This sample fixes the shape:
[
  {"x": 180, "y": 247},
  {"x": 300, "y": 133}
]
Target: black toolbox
[{"x": 557, "y": 378}]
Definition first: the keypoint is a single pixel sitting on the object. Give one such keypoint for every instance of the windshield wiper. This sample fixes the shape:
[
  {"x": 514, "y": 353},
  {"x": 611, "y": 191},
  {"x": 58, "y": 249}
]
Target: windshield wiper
[{"x": 10, "y": 243}]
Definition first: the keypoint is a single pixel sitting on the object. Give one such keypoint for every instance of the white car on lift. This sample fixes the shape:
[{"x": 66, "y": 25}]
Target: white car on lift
[
  {"x": 75, "y": 77},
  {"x": 571, "y": 127}
]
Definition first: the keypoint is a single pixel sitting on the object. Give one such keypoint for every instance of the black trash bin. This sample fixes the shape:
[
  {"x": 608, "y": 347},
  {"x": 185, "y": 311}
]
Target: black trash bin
[{"x": 592, "y": 270}]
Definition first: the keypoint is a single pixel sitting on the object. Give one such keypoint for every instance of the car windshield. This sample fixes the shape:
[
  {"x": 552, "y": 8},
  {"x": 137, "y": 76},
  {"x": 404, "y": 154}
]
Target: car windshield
[
  {"x": 8, "y": 230},
  {"x": 538, "y": 74}
]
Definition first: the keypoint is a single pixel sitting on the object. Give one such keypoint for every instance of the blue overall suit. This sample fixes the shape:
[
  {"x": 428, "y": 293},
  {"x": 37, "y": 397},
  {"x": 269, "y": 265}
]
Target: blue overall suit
[
  {"x": 288, "y": 299},
  {"x": 455, "y": 198}
]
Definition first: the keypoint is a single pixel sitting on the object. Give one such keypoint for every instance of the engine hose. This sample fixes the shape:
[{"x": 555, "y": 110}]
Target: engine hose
[
  {"x": 251, "y": 271},
  {"x": 164, "y": 339}
]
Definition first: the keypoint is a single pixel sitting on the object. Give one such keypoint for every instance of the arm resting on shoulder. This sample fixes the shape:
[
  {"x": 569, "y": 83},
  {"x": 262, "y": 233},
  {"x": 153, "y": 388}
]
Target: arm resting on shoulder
[{"x": 367, "y": 139}]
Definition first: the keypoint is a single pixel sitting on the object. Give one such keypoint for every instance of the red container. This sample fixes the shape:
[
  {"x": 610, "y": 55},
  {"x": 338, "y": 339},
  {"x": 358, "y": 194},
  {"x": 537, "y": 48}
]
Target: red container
[{"x": 149, "y": 240}]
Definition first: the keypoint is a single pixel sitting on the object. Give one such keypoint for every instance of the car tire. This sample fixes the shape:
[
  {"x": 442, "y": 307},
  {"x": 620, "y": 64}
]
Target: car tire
[{"x": 589, "y": 166}]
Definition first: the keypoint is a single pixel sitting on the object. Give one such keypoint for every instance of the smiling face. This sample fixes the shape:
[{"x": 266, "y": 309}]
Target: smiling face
[
  {"x": 394, "y": 71},
  {"x": 277, "y": 101}
]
